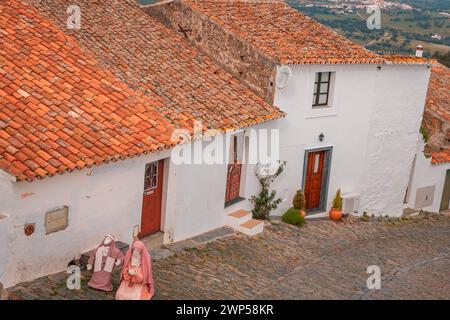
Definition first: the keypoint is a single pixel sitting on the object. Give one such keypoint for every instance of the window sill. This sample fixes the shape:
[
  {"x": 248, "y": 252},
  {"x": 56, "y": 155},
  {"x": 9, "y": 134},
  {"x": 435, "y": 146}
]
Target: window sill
[
  {"x": 320, "y": 107},
  {"x": 321, "y": 112}
]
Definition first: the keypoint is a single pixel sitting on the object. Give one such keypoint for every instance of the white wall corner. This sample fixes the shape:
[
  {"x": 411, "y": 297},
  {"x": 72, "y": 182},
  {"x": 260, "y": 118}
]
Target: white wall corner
[{"x": 8, "y": 176}]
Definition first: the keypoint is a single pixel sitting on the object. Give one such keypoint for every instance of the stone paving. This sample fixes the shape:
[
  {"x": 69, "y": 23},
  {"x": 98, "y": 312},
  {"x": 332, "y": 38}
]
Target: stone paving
[{"x": 323, "y": 260}]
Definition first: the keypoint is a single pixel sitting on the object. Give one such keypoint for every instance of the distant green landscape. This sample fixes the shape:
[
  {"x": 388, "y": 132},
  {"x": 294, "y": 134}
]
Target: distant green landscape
[{"x": 427, "y": 24}]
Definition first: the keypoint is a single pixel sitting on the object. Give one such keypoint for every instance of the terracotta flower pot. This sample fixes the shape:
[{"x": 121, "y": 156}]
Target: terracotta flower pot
[
  {"x": 303, "y": 213},
  {"x": 335, "y": 214}
]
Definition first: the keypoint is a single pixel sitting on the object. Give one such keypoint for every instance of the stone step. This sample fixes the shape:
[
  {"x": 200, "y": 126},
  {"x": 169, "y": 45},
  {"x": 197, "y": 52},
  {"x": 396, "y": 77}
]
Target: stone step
[
  {"x": 238, "y": 217},
  {"x": 251, "y": 227}
]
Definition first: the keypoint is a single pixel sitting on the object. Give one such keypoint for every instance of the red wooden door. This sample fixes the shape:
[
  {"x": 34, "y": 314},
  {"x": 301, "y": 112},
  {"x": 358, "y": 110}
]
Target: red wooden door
[
  {"x": 233, "y": 181},
  {"x": 313, "y": 181},
  {"x": 151, "y": 206},
  {"x": 234, "y": 174}
]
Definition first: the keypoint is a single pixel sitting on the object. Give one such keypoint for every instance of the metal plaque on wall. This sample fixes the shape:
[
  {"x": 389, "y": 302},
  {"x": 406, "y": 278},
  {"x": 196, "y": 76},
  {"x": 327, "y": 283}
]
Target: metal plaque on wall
[{"x": 56, "y": 220}]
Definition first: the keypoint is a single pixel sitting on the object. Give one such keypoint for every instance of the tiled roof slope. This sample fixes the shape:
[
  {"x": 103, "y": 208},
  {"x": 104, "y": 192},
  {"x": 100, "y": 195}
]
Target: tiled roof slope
[
  {"x": 437, "y": 106},
  {"x": 59, "y": 110},
  {"x": 406, "y": 59},
  {"x": 152, "y": 58},
  {"x": 283, "y": 33},
  {"x": 440, "y": 157},
  {"x": 438, "y": 96}
]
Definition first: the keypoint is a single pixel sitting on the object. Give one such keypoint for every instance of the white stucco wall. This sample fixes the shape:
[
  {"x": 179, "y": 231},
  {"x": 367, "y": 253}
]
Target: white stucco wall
[
  {"x": 5, "y": 221},
  {"x": 197, "y": 198},
  {"x": 395, "y": 121},
  {"x": 101, "y": 200},
  {"x": 427, "y": 175}
]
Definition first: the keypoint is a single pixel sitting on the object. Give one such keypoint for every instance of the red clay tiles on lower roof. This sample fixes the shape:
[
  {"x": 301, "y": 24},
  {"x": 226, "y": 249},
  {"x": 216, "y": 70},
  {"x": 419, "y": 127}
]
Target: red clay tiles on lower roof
[
  {"x": 437, "y": 114},
  {"x": 283, "y": 33},
  {"x": 440, "y": 157},
  {"x": 406, "y": 59},
  {"x": 59, "y": 110},
  {"x": 438, "y": 96},
  {"x": 156, "y": 60}
]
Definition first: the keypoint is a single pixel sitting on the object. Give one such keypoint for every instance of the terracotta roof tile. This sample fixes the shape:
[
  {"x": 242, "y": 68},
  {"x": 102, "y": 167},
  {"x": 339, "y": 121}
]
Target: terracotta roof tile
[
  {"x": 41, "y": 131},
  {"x": 146, "y": 55},
  {"x": 406, "y": 59},
  {"x": 440, "y": 157},
  {"x": 436, "y": 119},
  {"x": 438, "y": 96},
  {"x": 283, "y": 33}
]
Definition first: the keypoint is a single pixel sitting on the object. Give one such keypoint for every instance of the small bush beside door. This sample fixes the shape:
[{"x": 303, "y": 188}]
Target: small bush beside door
[
  {"x": 296, "y": 214},
  {"x": 299, "y": 202},
  {"x": 292, "y": 216}
]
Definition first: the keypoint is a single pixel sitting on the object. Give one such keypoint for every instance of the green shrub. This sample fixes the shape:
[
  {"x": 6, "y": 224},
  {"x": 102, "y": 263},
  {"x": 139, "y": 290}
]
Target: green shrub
[
  {"x": 292, "y": 216},
  {"x": 425, "y": 134},
  {"x": 299, "y": 200},
  {"x": 266, "y": 201},
  {"x": 337, "y": 202}
]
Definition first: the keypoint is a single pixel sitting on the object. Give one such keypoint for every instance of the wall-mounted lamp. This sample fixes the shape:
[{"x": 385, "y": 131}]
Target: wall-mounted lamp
[{"x": 321, "y": 137}]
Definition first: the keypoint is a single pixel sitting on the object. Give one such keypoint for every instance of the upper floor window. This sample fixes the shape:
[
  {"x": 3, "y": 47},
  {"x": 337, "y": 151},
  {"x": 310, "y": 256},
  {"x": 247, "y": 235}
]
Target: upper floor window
[{"x": 322, "y": 86}]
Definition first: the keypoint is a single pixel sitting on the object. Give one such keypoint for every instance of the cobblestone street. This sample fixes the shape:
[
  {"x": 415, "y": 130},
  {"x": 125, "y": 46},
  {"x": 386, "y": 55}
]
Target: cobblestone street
[{"x": 322, "y": 260}]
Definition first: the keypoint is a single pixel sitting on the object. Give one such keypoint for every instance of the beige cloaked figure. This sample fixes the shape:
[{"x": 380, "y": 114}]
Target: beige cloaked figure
[
  {"x": 136, "y": 278},
  {"x": 104, "y": 259}
]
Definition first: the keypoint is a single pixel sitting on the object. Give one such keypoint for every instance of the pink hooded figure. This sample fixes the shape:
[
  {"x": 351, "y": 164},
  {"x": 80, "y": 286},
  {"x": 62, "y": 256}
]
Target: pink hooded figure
[
  {"x": 104, "y": 259},
  {"x": 136, "y": 277}
]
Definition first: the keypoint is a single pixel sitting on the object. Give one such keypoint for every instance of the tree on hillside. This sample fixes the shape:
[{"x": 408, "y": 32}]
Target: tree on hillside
[{"x": 443, "y": 58}]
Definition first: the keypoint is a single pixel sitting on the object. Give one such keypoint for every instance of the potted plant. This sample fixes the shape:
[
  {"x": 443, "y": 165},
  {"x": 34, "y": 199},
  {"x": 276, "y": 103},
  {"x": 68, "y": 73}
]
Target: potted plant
[
  {"x": 299, "y": 202},
  {"x": 336, "y": 210}
]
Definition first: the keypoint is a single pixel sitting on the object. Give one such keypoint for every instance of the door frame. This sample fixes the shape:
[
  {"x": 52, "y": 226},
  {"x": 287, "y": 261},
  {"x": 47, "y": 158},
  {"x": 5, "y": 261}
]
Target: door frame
[
  {"x": 240, "y": 162},
  {"x": 325, "y": 177},
  {"x": 163, "y": 162}
]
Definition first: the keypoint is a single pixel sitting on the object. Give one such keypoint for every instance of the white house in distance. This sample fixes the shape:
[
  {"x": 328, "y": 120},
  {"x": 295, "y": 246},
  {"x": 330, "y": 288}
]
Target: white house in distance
[{"x": 85, "y": 144}]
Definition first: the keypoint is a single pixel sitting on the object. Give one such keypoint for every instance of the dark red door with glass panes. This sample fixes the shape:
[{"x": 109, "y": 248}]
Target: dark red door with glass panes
[
  {"x": 234, "y": 174},
  {"x": 233, "y": 182},
  {"x": 313, "y": 181},
  {"x": 151, "y": 207}
]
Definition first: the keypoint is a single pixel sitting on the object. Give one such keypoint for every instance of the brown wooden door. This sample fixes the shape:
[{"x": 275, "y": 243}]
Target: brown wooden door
[
  {"x": 233, "y": 182},
  {"x": 151, "y": 207},
  {"x": 234, "y": 173},
  {"x": 313, "y": 181}
]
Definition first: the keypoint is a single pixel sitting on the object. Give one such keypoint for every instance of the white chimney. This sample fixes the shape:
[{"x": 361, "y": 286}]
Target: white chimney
[{"x": 419, "y": 51}]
